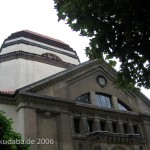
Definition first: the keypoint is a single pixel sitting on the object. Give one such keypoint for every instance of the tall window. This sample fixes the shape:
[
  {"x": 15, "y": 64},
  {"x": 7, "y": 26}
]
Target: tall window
[
  {"x": 125, "y": 128},
  {"x": 77, "y": 125},
  {"x": 103, "y": 125},
  {"x": 85, "y": 98},
  {"x": 135, "y": 129},
  {"x": 115, "y": 127},
  {"x": 90, "y": 125},
  {"x": 103, "y": 100}
]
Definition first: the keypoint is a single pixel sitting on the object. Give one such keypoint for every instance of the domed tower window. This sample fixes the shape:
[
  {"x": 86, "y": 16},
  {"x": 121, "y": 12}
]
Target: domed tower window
[{"x": 52, "y": 56}]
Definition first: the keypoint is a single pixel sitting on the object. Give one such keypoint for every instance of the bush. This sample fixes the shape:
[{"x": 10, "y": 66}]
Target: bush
[{"x": 7, "y": 134}]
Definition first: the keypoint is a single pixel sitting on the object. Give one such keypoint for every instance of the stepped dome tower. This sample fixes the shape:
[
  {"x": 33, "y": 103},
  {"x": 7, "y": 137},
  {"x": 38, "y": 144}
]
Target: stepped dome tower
[{"x": 26, "y": 57}]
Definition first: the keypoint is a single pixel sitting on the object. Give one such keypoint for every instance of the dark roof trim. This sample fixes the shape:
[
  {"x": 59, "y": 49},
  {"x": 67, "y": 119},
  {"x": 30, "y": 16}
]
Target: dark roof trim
[
  {"x": 40, "y": 46},
  {"x": 34, "y": 57},
  {"x": 40, "y": 38},
  {"x": 8, "y": 93}
]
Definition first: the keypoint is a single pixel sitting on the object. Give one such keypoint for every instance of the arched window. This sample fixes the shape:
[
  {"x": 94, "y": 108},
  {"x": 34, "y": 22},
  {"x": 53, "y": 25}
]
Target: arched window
[
  {"x": 85, "y": 98},
  {"x": 123, "y": 106},
  {"x": 103, "y": 100},
  {"x": 52, "y": 56}
]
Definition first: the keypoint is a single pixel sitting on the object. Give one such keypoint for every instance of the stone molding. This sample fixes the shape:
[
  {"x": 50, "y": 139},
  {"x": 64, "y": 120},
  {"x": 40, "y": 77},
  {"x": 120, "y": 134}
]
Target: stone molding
[
  {"x": 37, "y": 101},
  {"x": 40, "y": 46},
  {"x": 33, "y": 57},
  {"x": 72, "y": 106},
  {"x": 8, "y": 101}
]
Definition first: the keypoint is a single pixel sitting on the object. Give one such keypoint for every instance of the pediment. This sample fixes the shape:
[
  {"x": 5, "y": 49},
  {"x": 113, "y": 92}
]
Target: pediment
[
  {"x": 81, "y": 79},
  {"x": 73, "y": 75}
]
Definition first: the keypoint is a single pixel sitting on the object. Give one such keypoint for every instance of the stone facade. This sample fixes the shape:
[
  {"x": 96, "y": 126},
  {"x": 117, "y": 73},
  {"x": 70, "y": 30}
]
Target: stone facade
[{"x": 80, "y": 108}]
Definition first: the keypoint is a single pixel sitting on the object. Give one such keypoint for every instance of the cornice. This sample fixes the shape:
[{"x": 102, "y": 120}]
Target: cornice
[
  {"x": 38, "y": 98},
  {"x": 33, "y": 57},
  {"x": 71, "y": 106},
  {"x": 37, "y": 101},
  {"x": 22, "y": 41},
  {"x": 7, "y": 99},
  {"x": 90, "y": 109}
]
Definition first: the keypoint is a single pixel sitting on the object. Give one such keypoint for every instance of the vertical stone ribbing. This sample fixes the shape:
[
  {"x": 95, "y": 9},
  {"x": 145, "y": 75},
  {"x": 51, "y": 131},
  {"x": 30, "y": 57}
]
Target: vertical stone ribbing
[
  {"x": 96, "y": 124},
  {"x": 120, "y": 127},
  {"x": 83, "y": 125},
  {"x": 109, "y": 126},
  {"x": 30, "y": 126}
]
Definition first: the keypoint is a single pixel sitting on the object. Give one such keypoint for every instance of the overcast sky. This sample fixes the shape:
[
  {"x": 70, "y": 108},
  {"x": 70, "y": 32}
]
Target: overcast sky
[{"x": 40, "y": 16}]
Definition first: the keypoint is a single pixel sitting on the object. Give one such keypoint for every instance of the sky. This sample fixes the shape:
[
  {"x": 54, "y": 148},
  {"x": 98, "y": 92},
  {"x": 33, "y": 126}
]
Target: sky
[{"x": 41, "y": 17}]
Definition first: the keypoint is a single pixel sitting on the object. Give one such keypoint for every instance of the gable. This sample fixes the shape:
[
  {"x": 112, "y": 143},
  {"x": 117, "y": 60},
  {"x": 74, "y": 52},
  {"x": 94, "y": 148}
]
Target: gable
[
  {"x": 83, "y": 79},
  {"x": 81, "y": 83}
]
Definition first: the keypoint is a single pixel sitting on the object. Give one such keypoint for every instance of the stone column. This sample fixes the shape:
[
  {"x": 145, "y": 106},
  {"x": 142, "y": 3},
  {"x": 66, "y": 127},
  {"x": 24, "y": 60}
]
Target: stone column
[
  {"x": 120, "y": 127},
  {"x": 92, "y": 98},
  {"x": 30, "y": 126},
  {"x": 72, "y": 124},
  {"x": 131, "y": 128},
  {"x": 96, "y": 124},
  {"x": 66, "y": 137},
  {"x": 83, "y": 125},
  {"x": 140, "y": 130},
  {"x": 114, "y": 102},
  {"x": 109, "y": 126}
]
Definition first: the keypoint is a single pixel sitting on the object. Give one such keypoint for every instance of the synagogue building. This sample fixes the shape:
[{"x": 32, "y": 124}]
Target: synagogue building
[{"x": 50, "y": 95}]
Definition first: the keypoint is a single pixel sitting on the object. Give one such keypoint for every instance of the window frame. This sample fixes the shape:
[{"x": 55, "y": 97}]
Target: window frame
[
  {"x": 103, "y": 125},
  {"x": 125, "y": 107},
  {"x": 82, "y": 96},
  {"x": 76, "y": 123},
  {"x": 90, "y": 125},
  {"x": 108, "y": 100}
]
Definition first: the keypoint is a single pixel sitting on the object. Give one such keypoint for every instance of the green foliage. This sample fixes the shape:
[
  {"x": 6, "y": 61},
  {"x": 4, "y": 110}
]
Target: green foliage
[
  {"x": 117, "y": 28},
  {"x": 7, "y": 133}
]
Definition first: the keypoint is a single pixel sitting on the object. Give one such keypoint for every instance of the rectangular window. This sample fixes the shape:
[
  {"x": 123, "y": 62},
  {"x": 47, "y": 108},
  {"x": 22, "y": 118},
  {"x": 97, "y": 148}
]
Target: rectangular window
[
  {"x": 103, "y": 101},
  {"x": 135, "y": 129},
  {"x": 125, "y": 128},
  {"x": 141, "y": 148},
  {"x": 90, "y": 125},
  {"x": 77, "y": 125},
  {"x": 103, "y": 125},
  {"x": 115, "y": 127}
]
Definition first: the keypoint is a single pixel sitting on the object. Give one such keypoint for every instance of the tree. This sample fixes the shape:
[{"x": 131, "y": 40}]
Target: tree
[
  {"x": 117, "y": 29},
  {"x": 7, "y": 134}
]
